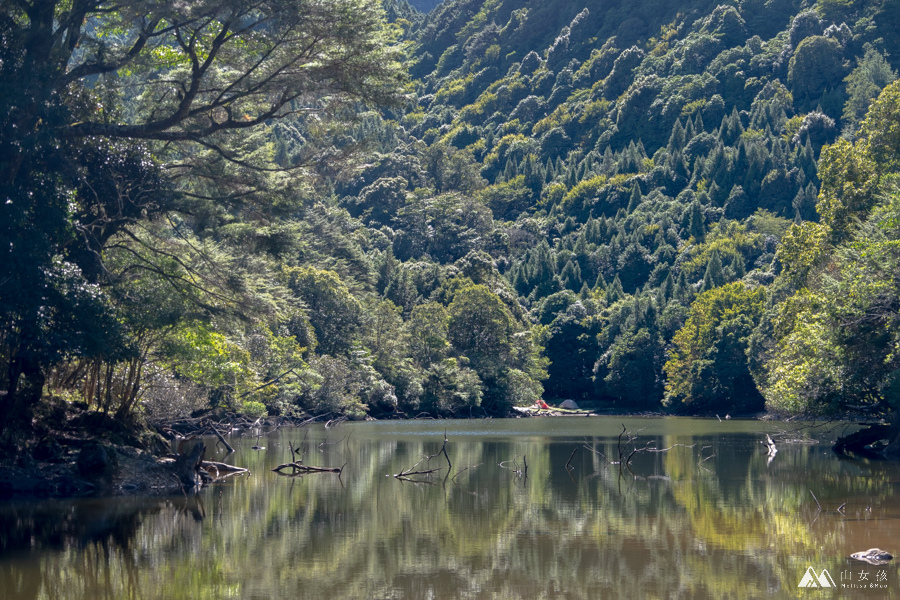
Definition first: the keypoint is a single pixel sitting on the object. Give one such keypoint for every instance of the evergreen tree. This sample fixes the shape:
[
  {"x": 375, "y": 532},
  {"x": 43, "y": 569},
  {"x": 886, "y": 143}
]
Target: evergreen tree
[
  {"x": 635, "y": 198},
  {"x": 697, "y": 228},
  {"x": 614, "y": 291},
  {"x": 715, "y": 274}
]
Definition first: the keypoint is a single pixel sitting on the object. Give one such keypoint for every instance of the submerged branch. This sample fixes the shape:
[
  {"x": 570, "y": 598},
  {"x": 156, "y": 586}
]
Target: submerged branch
[{"x": 301, "y": 469}]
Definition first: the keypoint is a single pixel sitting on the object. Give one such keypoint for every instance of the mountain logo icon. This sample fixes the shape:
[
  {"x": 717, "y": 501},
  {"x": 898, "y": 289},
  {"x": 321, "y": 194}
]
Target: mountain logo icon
[{"x": 811, "y": 580}]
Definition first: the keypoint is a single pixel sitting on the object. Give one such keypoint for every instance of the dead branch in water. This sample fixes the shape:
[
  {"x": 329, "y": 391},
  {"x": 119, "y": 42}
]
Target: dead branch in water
[
  {"x": 622, "y": 447},
  {"x": 228, "y": 447},
  {"x": 771, "y": 449},
  {"x": 410, "y": 471},
  {"x": 222, "y": 470},
  {"x": 518, "y": 471},
  {"x": 463, "y": 470},
  {"x": 301, "y": 469},
  {"x": 817, "y": 500},
  {"x": 321, "y": 445},
  {"x": 700, "y": 464},
  {"x": 335, "y": 422},
  {"x": 571, "y": 457},
  {"x": 425, "y": 472},
  {"x": 443, "y": 451}
]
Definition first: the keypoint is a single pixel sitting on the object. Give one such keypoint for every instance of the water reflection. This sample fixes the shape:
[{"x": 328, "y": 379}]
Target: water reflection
[{"x": 710, "y": 517}]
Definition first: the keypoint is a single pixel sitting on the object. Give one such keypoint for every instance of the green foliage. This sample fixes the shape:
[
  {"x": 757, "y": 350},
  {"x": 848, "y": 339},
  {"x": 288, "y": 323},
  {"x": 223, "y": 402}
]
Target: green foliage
[
  {"x": 563, "y": 182},
  {"x": 881, "y": 128},
  {"x": 767, "y": 223},
  {"x": 333, "y": 311},
  {"x": 832, "y": 340},
  {"x": 254, "y": 410},
  {"x": 508, "y": 199},
  {"x": 836, "y": 11},
  {"x": 129, "y": 136},
  {"x": 450, "y": 387},
  {"x": 835, "y": 342},
  {"x": 851, "y": 173},
  {"x": 871, "y": 75},
  {"x": 635, "y": 364},
  {"x": 802, "y": 248},
  {"x": 707, "y": 368},
  {"x": 817, "y": 66},
  {"x": 583, "y": 192},
  {"x": 481, "y": 327},
  {"x": 849, "y": 183},
  {"x": 428, "y": 330}
]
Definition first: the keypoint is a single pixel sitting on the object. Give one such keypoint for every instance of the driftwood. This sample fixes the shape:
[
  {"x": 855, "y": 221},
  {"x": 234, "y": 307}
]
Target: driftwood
[
  {"x": 571, "y": 457},
  {"x": 817, "y": 500},
  {"x": 410, "y": 471},
  {"x": 770, "y": 446},
  {"x": 405, "y": 474},
  {"x": 425, "y": 472},
  {"x": 517, "y": 470},
  {"x": 873, "y": 556},
  {"x": 463, "y": 470},
  {"x": 222, "y": 470},
  {"x": 530, "y": 411},
  {"x": 298, "y": 468}
]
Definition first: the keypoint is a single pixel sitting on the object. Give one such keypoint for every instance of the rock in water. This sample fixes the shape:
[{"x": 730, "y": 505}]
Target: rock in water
[{"x": 873, "y": 556}]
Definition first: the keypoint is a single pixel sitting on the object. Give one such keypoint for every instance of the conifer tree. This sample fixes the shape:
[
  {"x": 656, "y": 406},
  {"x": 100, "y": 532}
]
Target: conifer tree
[
  {"x": 697, "y": 228},
  {"x": 635, "y": 198},
  {"x": 677, "y": 137},
  {"x": 715, "y": 274},
  {"x": 614, "y": 291}
]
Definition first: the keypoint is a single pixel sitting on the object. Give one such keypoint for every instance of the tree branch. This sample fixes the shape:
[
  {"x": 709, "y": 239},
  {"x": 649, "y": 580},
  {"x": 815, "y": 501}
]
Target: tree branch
[{"x": 86, "y": 69}]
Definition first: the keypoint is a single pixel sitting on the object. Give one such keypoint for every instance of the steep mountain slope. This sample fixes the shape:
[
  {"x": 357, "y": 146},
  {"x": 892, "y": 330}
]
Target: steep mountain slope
[{"x": 631, "y": 156}]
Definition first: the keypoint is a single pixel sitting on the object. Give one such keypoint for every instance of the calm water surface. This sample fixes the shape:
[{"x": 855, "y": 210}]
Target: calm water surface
[{"x": 709, "y": 518}]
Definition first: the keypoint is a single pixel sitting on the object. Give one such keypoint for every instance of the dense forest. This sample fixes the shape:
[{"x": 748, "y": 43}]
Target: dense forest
[{"x": 291, "y": 208}]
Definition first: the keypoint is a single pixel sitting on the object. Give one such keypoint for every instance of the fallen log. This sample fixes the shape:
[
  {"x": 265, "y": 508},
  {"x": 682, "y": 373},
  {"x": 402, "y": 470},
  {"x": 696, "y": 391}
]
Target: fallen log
[
  {"x": 222, "y": 470},
  {"x": 855, "y": 444}
]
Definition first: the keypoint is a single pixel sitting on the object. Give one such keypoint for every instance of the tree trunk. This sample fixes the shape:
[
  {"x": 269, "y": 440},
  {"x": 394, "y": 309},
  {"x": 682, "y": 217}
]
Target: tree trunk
[
  {"x": 187, "y": 468},
  {"x": 26, "y": 385}
]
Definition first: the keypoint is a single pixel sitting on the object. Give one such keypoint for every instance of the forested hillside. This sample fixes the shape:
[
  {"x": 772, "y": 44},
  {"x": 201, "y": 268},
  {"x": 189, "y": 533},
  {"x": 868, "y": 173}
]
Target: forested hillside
[
  {"x": 424, "y": 5},
  {"x": 637, "y": 205},
  {"x": 640, "y": 165}
]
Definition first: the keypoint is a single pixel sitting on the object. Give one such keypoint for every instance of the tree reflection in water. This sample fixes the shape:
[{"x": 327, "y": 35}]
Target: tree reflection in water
[{"x": 679, "y": 527}]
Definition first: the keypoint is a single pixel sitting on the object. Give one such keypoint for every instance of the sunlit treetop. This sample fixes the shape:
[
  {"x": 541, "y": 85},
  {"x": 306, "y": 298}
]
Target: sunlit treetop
[{"x": 192, "y": 69}]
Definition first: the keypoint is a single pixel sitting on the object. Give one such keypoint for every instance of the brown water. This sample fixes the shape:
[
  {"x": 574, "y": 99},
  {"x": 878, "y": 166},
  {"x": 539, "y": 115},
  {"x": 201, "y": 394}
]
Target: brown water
[{"x": 709, "y": 518}]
